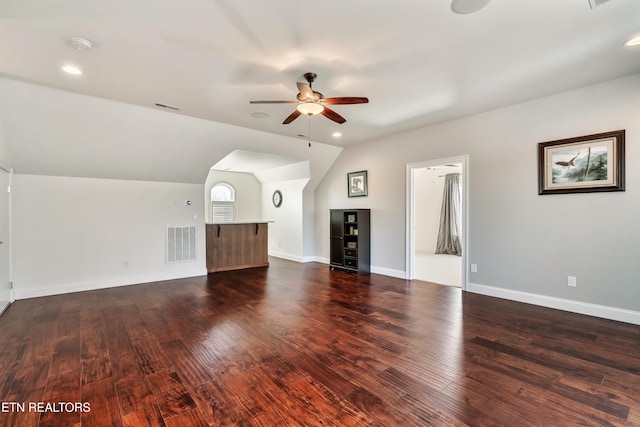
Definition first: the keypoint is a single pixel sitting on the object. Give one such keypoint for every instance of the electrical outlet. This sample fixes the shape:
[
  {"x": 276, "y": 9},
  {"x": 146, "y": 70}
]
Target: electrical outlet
[
  {"x": 474, "y": 268},
  {"x": 571, "y": 281}
]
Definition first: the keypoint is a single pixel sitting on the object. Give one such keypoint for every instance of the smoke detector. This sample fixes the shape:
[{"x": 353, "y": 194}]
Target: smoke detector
[
  {"x": 81, "y": 43},
  {"x": 463, "y": 7}
]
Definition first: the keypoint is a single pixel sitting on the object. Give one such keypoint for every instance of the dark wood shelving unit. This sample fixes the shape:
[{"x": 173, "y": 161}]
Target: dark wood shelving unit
[{"x": 350, "y": 231}]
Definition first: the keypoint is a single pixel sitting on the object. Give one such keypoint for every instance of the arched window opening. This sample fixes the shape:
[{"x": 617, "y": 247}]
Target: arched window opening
[{"x": 223, "y": 200}]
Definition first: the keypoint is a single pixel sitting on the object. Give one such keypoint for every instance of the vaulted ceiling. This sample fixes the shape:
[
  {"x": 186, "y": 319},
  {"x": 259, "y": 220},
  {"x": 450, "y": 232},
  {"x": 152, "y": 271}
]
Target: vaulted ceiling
[{"x": 417, "y": 61}]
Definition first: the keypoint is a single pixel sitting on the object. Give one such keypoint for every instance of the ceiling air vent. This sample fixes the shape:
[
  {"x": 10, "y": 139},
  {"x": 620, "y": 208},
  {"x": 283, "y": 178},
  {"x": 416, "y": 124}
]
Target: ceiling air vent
[
  {"x": 596, "y": 3},
  {"x": 81, "y": 44}
]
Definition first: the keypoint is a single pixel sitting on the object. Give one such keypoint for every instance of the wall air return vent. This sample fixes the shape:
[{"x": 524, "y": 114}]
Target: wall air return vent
[{"x": 181, "y": 243}]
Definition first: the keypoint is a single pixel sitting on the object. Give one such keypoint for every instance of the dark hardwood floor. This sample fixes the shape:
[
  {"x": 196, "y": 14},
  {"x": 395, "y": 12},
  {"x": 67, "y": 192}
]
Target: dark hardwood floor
[{"x": 300, "y": 345}]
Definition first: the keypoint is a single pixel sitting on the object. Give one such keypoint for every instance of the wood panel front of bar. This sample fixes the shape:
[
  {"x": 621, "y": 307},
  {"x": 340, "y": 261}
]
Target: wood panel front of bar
[{"x": 235, "y": 246}]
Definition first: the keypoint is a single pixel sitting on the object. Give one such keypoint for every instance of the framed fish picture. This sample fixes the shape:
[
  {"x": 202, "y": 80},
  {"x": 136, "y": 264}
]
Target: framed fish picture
[{"x": 585, "y": 164}]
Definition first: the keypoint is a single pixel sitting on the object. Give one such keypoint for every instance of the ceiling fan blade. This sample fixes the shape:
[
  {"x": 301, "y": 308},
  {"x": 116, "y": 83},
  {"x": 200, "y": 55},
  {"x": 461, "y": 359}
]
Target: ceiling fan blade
[
  {"x": 305, "y": 91},
  {"x": 292, "y": 117},
  {"x": 273, "y": 102},
  {"x": 332, "y": 115},
  {"x": 346, "y": 100}
]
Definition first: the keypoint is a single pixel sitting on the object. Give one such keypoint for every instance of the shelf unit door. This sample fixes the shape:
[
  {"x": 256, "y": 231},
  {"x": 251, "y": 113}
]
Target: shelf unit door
[
  {"x": 337, "y": 239},
  {"x": 363, "y": 240}
]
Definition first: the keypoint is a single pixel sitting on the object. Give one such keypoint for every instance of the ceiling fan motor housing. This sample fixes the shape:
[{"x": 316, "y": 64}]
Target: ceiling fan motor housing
[
  {"x": 317, "y": 96},
  {"x": 311, "y": 102}
]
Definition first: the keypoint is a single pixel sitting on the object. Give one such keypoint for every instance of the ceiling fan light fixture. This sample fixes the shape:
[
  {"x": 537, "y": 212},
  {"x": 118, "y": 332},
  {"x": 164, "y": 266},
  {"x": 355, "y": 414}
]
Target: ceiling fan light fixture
[
  {"x": 310, "y": 108},
  {"x": 309, "y": 102}
]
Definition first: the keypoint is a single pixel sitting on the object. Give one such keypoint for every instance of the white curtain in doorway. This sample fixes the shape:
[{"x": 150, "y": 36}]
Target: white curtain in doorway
[{"x": 450, "y": 223}]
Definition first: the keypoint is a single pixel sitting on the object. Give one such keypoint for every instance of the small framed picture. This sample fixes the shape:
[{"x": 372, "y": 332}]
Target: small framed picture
[
  {"x": 585, "y": 164},
  {"x": 357, "y": 184}
]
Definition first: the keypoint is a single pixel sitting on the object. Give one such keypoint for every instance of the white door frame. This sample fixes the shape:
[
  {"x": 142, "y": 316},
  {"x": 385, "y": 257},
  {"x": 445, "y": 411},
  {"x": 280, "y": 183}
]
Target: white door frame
[
  {"x": 410, "y": 220},
  {"x": 9, "y": 240}
]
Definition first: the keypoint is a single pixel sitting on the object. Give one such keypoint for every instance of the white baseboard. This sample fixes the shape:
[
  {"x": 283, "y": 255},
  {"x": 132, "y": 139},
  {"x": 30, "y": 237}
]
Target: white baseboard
[
  {"x": 398, "y": 274},
  {"x": 603, "y": 311},
  {"x": 66, "y": 288},
  {"x": 290, "y": 257}
]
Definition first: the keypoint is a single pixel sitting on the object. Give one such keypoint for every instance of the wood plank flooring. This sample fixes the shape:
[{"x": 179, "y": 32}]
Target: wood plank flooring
[{"x": 300, "y": 345}]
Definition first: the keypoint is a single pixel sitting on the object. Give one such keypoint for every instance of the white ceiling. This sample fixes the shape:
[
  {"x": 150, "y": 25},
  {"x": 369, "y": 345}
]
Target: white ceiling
[
  {"x": 251, "y": 161},
  {"x": 416, "y": 61}
]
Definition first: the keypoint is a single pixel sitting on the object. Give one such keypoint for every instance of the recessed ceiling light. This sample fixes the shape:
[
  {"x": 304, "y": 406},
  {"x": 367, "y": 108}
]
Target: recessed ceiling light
[
  {"x": 71, "y": 69},
  {"x": 468, "y": 6},
  {"x": 633, "y": 41},
  {"x": 259, "y": 115},
  {"x": 336, "y": 135}
]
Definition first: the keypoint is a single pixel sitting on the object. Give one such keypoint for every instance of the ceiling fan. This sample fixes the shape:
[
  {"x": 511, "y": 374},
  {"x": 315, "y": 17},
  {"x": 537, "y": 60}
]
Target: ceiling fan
[{"x": 311, "y": 102}]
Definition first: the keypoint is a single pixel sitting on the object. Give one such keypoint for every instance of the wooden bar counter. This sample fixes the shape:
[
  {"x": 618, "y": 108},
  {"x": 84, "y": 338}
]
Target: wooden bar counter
[{"x": 233, "y": 246}]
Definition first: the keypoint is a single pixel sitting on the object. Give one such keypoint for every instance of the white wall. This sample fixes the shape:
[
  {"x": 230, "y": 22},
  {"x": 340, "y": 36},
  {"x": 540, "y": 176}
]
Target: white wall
[
  {"x": 427, "y": 205},
  {"x": 248, "y": 194},
  {"x": 285, "y": 232},
  {"x": 75, "y": 234},
  {"x": 429, "y": 190},
  {"x": 525, "y": 245},
  {"x": 291, "y": 231},
  {"x": 4, "y": 146},
  {"x": 308, "y": 224},
  {"x": 7, "y": 251}
]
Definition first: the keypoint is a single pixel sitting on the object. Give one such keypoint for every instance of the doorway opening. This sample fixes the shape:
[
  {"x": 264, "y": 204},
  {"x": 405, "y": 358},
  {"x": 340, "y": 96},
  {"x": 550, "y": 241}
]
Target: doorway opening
[
  {"x": 437, "y": 221},
  {"x": 6, "y": 293}
]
